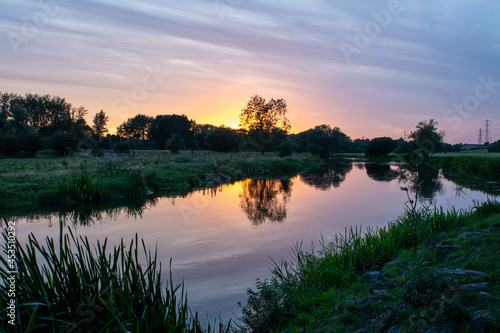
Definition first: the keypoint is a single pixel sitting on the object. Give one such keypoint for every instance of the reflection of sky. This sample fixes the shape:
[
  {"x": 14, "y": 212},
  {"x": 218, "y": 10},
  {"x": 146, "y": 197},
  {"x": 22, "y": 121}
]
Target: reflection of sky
[
  {"x": 218, "y": 251},
  {"x": 214, "y": 55}
]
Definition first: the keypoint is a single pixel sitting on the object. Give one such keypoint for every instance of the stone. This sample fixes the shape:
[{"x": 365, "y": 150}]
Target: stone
[
  {"x": 470, "y": 234},
  {"x": 475, "y": 286},
  {"x": 484, "y": 319},
  {"x": 362, "y": 300},
  {"x": 381, "y": 293},
  {"x": 374, "y": 276},
  {"x": 489, "y": 229},
  {"x": 399, "y": 262},
  {"x": 394, "y": 329},
  {"x": 445, "y": 249},
  {"x": 431, "y": 242},
  {"x": 439, "y": 329},
  {"x": 462, "y": 272},
  {"x": 385, "y": 320},
  {"x": 486, "y": 298},
  {"x": 362, "y": 330}
]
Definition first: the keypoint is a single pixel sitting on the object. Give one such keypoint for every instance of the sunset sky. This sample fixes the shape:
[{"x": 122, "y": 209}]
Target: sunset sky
[{"x": 372, "y": 68}]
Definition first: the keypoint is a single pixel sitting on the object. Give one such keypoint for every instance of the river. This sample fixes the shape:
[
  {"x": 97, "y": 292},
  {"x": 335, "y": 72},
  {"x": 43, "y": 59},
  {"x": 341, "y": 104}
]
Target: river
[{"x": 222, "y": 239}]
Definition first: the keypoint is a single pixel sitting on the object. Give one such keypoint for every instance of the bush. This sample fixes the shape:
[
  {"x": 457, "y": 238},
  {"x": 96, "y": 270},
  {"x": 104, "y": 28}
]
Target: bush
[
  {"x": 380, "y": 148},
  {"x": 63, "y": 143},
  {"x": 122, "y": 147}
]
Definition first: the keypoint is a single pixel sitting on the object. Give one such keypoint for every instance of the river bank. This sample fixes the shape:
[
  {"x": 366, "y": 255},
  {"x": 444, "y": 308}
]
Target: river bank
[
  {"x": 437, "y": 274},
  {"x": 36, "y": 184}
]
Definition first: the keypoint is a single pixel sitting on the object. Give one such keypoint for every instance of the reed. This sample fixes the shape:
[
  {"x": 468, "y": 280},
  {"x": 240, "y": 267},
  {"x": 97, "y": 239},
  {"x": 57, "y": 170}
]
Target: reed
[
  {"x": 339, "y": 263},
  {"x": 73, "y": 286}
]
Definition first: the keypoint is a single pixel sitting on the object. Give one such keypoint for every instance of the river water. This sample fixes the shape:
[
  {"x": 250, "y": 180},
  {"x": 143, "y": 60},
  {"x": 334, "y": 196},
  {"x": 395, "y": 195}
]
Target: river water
[{"x": 222, "y": 239}]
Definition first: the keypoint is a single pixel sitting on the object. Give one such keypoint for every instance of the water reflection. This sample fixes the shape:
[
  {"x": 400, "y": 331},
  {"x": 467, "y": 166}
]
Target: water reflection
[
  {"x": 425, "y": 182},
  {"x": 265, "y": 199},
  {"x": 381, "y": 172},
  {"x": 328, "y": 175}
]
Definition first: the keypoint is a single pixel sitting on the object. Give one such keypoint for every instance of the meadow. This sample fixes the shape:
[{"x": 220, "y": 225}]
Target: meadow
[{"x": 27, "y": 185}]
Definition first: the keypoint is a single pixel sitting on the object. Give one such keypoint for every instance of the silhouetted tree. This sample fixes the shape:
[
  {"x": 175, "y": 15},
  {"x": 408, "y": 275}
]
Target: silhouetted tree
[
  {"x": 380, "y": 148},
  {"x": 427, "y": 140},
  {"x": 163, "y": 126},
  {"x": 223, "y": 139},
  {"x": 323, "y": 141},
  {"x": 265, "y": 122},
  {"x": 100, "y": 121},
  {"x": 136, "y": 127}
]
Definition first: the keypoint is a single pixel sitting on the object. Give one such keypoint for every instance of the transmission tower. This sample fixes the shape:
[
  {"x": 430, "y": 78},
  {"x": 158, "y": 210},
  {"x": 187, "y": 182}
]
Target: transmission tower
[
  {"x": 480, "y": 138},
  {"x": 404, "y": 135},
  {"x": 487, "y": 131}
]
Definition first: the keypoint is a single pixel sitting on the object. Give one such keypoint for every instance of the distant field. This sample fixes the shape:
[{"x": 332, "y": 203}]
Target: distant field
[{"x": 482, "y": 153}]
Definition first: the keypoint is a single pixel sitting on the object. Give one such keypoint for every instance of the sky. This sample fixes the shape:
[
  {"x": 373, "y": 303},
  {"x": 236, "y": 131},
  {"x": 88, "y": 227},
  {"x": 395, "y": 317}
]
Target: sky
[{"x": 372, "y": 68}]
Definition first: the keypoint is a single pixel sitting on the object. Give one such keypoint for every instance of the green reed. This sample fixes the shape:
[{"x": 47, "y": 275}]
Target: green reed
[{"x": 74, "y": 286}]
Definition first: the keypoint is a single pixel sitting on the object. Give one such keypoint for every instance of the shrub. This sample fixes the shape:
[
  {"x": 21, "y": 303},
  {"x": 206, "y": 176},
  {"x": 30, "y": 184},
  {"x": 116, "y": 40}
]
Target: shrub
[
  {"x": 63, "y": 143},
  {"x": 380, "y": 148},
  {"x": 123, "y": 147}
]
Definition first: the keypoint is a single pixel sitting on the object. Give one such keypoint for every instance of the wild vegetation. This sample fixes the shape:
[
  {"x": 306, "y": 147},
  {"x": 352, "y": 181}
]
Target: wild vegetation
[
  {"x": 26, "y": 184},
  {"x": 373, "y": 280},
  {"x": 72, "y": 286}
]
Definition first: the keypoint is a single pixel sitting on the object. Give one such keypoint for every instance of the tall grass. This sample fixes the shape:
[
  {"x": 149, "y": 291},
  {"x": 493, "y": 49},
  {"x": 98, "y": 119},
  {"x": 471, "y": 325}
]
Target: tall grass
[
  {"x": 76, "y": 287},
  {"x": 485, "y": 167},
  {"x": 339, "y": 263}
]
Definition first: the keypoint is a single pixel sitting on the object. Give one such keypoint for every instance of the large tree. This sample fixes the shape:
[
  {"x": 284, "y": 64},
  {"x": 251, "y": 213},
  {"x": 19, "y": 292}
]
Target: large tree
[
  {"x": 323, "y": 141},
  {"x": 163, "y": 126},
  {"x": 426, "y": 140},
  {"x": 136, "y": 127},
  {"x": 380, "y": 148},
  {"x": 100, "y": 121},
  {"x": 266, "y": 122}
]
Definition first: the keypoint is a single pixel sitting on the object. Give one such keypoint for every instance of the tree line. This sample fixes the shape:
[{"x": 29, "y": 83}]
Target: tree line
[{"x": 31, "y": 123}]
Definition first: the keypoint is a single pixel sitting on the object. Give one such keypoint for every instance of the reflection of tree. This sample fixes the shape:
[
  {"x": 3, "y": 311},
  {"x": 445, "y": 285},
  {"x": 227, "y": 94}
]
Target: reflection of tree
[
  {"x": 85, "y": 215},
  {"x": 380, "y": 172},
  {"x": 265, "y": 199},
  {"x": 426, "y": 179},
  {"x": 327, "y": 175}
]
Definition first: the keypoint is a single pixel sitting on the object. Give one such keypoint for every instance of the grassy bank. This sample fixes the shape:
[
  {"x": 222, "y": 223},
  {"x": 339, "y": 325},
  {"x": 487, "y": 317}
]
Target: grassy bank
[
  {"x": 477, "y": 172},
  {"x": 329, "y": 290},
  {"x": 26, "y": 184},
  {"x": 72, "y": 286}
]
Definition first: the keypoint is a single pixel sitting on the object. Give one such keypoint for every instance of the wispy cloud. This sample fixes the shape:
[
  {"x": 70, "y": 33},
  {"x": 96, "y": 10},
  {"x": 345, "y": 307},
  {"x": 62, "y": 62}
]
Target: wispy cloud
[{"x": 425, "y": 59}]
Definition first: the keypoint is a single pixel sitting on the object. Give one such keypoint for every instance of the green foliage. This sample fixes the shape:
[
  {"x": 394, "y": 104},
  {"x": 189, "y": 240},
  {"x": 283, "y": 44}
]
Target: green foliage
[
  {"x": 123, "y": 147},
  {"x": 380, "y": 148},
  {"x": 81, "y": 287},
  {"x": 224, "y": 139},
  {"x": 63, "y": 143},
  {"x": 427, "y": 139},
  {"x": 172, "y": 144},
  {"x": 485, "y": 167},
  {"x": 80, "y": 188},
  {"x": 339, "y": 262},
  {"x": 494, "y": 147},
  {"x": 164, "y": 126},
  {"x": 261, "y": 115},
  {"x": 323, "y": 141},
  {"x": 286, "y": 149},
  {"x": 136, "y": 184}
]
